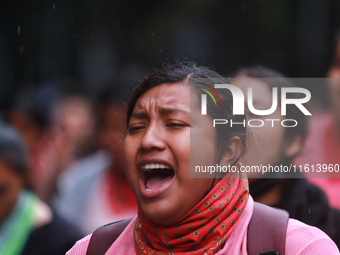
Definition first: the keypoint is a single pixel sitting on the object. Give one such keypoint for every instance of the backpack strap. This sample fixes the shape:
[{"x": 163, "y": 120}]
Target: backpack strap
[
  {"x": 267, "y": 231},
  {"x": 105, "y": 236}
]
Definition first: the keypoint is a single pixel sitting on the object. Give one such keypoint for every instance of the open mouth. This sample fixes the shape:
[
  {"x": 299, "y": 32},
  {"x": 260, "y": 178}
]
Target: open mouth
[{"x": 155, "y": 178}]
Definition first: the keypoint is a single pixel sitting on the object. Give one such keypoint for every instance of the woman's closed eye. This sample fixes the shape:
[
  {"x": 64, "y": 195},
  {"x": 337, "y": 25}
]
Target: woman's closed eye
[
  {"x": 177, "y": 125},
  {"x": 135, "y": 128}
]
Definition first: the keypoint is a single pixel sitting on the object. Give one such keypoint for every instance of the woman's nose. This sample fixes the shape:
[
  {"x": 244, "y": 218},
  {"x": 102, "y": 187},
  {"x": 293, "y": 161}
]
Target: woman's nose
[{"x": 153, "y": 139}]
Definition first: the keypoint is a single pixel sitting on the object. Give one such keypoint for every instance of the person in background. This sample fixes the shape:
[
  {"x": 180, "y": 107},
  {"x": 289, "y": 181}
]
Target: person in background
[
  {"x": 73, "y": 143},
  {"x": 33, "y": 114},
  {"x": 27, "y": 225},
  {"x": 278, "y": 145},
  {"x": 59, "y": 133},
  {"x": 323, "y": 140},
  {"x": 94, "y": 190}
]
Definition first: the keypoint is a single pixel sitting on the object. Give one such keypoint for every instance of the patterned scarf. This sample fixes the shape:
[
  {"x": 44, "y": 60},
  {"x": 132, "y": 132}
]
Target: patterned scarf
[{"x": 204, "y": 229}]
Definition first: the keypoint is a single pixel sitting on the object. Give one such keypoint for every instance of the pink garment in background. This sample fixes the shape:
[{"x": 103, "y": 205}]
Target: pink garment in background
[
  {"x": 322, "y": 146},
  {"x": 301, "y": 239}
]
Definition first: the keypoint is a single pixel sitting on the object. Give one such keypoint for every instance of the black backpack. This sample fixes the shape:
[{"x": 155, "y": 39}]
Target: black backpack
[{"x": 266, "y": 233}]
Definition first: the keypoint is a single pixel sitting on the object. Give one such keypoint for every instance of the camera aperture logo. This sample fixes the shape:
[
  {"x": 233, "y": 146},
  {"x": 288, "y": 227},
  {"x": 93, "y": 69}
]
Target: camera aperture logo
[
  {"x": 204, "y": 97},
  {"x": 239, "y": 103}
]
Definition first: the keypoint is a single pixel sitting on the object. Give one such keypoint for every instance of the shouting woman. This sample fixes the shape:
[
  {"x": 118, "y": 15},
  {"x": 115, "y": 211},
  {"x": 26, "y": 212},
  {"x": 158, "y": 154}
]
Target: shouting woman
[{"x": 167, "y": 137}]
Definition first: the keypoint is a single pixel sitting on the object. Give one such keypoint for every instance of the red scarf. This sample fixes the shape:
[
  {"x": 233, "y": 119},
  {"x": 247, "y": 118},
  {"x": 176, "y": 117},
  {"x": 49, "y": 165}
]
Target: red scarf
[{"x": 204, "y": 229}]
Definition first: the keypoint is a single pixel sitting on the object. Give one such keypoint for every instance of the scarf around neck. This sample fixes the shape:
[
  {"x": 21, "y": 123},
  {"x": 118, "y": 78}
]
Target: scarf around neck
[{"x": 204, "y": 229}]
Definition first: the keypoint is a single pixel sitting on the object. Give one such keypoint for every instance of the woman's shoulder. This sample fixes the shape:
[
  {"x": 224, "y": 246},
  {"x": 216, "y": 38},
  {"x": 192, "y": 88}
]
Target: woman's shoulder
[
  {"x": 124, "y": 244},
  {"x": 80, "y": 246},
  {"x": 304, "y": 239}
]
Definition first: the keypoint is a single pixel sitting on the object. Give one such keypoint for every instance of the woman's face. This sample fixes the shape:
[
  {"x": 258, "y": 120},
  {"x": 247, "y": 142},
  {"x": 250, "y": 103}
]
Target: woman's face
[{"x": 157, "y": 152}]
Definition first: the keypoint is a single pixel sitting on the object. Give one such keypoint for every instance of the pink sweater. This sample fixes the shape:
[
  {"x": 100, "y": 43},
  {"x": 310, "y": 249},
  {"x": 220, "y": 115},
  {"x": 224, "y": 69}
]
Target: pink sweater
[{"x": 301, "y": 239}]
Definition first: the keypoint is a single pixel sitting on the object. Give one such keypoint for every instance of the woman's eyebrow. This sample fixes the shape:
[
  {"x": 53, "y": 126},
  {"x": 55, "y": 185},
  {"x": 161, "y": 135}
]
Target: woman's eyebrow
[
  {"x": 140, "y": 115},
  {"x": 162, "y": 110},
  {"x": 172, "y": 110}
]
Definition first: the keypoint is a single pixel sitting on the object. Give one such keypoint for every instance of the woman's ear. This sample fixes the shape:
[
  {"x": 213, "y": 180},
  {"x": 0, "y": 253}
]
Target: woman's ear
[
  {"x": 232, "y": 151},
  {"x": 292, "y": 148}
]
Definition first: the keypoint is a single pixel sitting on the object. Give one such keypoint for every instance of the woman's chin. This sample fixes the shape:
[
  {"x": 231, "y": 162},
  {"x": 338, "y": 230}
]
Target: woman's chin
[
  {"x": 162, "y": 217},
  {"x": 161, "y": 220}
]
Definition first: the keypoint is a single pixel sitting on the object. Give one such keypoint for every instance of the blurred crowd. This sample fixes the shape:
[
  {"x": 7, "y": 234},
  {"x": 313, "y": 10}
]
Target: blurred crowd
[
  {"x": 62, "y": 173},
  {"x": 61, "y": 156}
]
